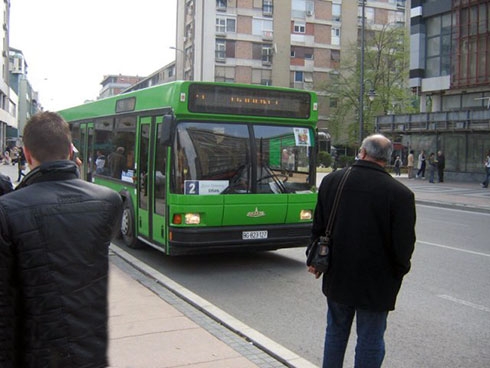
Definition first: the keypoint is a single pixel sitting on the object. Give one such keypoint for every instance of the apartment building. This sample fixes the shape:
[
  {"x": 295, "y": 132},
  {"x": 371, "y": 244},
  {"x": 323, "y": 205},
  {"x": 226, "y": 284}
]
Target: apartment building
[
  {"x": 8, "y": 98},
  {"x": 291, "y": 43},
  {"x": 450, "y": 71},
  {"x": 27, "y": 101},
  {"x": 116, "y": 84},
  {"x": 163, "y": 75}
]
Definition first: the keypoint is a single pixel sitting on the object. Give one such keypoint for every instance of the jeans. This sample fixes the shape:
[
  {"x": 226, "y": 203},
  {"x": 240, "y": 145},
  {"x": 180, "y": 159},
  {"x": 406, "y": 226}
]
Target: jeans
[
  {"x": 370, "y": 347},
  {"x": 485, "y": 182}
]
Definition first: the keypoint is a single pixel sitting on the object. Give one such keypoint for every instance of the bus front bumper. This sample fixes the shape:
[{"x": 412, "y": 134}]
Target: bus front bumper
[{"x": 187, "y": 240}]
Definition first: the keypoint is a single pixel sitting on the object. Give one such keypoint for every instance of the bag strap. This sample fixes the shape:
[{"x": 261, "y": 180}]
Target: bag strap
[{"x": 336, "y": 201}]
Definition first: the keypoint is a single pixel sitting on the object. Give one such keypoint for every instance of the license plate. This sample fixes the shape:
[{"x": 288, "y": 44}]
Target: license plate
[{"x": 251, "y": 235}]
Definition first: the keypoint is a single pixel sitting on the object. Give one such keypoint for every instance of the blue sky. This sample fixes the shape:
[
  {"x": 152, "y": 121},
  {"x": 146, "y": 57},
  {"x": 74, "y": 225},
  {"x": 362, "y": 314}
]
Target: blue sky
[{"x": 69, "y": 45}]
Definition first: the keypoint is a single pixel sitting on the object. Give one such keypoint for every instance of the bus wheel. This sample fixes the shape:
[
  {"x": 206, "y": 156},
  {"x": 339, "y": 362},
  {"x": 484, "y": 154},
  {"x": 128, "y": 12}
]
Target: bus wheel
[{"x": 127, "y": 227}]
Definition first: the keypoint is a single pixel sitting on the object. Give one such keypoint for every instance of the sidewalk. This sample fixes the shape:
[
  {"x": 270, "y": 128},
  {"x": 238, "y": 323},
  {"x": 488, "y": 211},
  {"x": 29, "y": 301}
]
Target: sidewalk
[
  {"x": 450, "y": 194},
  {"x": 154, "y": 322},
  {"x": 145, "y": 331}
]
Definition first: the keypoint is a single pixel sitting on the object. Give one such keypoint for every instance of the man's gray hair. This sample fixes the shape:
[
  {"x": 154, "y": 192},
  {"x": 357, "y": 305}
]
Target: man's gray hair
[{"x": 378, "y": 147}]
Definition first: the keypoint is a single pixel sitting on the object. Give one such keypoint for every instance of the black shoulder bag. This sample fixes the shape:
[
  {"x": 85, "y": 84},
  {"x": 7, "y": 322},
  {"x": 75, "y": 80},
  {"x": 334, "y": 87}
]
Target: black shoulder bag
[{"x": 318, "y": 252}]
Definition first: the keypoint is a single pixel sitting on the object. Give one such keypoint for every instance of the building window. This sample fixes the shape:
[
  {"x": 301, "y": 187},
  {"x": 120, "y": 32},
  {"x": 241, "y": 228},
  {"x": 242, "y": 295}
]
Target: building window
[
  {"x": 438, "y": 46},
  {"x": 302, "y": 8},
  {"x": 335, "y": 55},
  {"x": 336, "y": 36},
  {"x": 221, "y": 5},
  {"x": 267, "y": 7},
  {"x": 472, "y": 47},
  {"x": 220, "y": 50},
  {"x": 302, "y": 52},
  {"x": 266, "y": 82},
  {"x": 299, "y": 27},
  {"x": 267, "y": 54},
  {"x": 262, "y": 28},
  {"x": 224, "y": 25},
  {"x": 298, "y": 76},
  {"x": 336, "y": 12},
  {"x": 401, "y": 4}
]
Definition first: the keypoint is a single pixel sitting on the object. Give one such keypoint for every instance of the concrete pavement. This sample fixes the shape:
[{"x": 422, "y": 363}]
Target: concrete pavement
[{"x": 154, "y": 322}]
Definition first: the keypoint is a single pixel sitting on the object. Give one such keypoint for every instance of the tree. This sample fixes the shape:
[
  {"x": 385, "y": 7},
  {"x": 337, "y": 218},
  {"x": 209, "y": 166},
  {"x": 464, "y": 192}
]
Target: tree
[{"x": 386, "y": 72}]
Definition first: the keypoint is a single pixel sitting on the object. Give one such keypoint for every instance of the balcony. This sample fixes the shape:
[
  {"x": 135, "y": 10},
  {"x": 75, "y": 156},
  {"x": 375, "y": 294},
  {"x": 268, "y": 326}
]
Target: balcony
[{"x": 449, "y": 121}]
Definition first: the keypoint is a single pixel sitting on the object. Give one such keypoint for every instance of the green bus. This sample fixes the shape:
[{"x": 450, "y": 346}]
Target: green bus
[{"x": 204, "y": 167}]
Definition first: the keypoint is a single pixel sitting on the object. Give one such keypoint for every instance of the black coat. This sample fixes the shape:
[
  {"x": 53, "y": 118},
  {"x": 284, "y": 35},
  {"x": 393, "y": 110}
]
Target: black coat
[
  {"x": 373, "y": 236},
  {"x": 54, "y": 236}
]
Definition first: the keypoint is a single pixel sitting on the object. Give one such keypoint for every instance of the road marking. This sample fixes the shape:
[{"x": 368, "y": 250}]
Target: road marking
[
  {"x": 436, "y": 205},
  {"x": 453, "y": 248},
  {"x": 466, "y": 303}
]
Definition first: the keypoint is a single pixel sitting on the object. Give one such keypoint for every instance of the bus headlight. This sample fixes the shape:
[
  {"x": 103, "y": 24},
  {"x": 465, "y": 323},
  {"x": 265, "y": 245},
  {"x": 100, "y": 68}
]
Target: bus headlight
[
  {"x": 192, "y": 219},
  {"x": 305, "y": 215}
]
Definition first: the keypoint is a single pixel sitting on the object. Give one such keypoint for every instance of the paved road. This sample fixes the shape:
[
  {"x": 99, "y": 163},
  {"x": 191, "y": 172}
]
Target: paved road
[{"x": 447, "y": 287}]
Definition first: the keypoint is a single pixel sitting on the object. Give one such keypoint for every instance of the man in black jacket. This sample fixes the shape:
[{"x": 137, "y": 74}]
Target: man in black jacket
[
  {"x": 373, "y": 240},
  {"x": 55, "y": 230}
]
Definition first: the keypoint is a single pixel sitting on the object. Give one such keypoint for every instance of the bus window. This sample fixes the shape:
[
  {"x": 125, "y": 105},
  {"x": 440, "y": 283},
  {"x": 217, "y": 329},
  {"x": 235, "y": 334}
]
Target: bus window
[
  {"x": 103, "y": 131},
  {"x": 160, "y": 176},
  {"x": 122, "y": 149},
  {"x": 285, "y": 151},
  {"x": 143, "y": 166},
  {"x": 210, "y": 155}
]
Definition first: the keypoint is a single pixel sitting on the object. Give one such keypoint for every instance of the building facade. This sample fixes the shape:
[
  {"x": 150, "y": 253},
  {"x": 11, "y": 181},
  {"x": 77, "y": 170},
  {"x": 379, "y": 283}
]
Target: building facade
[
  {"x": 27, "y": 102},
  {"x": 450, "y": 71},
  {"x": 162, "y": 75},
  {"x": 289, "y": 43},
  {"x": 8, "y": 98},
  {"x": 115, "y": 84}
]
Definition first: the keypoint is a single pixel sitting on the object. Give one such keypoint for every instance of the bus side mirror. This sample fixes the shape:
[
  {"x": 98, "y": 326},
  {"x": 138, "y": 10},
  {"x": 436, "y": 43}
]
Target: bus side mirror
[{"x": 166, "y": 132}]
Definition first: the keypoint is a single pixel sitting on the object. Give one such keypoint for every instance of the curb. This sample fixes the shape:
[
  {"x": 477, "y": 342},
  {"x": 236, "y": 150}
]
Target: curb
[
  {"x": 278, "y": 352},
  {"x": 456, "y": 206}
]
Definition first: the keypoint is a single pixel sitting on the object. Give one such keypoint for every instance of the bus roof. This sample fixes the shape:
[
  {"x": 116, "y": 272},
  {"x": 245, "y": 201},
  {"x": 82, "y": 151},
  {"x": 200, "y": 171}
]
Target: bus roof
[{"x": 175, "y": 95}]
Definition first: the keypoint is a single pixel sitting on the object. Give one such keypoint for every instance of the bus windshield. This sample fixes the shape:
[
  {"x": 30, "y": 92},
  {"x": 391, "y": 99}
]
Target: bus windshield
[{"x": 234, "y": 158}]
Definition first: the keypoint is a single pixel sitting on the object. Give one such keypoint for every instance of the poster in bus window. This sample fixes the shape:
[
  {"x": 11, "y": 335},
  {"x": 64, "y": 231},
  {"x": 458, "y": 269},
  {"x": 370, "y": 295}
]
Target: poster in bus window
[
  {"x": 302, "y": 137},
  {"x": 203, "y": 187}
]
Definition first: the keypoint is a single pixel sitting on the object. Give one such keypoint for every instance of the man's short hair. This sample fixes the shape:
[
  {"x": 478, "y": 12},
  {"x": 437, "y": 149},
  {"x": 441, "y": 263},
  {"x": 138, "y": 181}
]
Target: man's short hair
[
  {"x": 378, "y": 147},
  {"x": 47, "y": 136}
]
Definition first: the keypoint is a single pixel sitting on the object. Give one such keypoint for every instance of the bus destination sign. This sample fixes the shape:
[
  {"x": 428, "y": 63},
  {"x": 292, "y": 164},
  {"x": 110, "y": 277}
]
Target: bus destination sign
[{"x": 218, "y": 99}]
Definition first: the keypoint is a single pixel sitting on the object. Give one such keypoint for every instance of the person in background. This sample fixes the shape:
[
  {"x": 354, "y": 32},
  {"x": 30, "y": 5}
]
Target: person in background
[
  {"x": 410, "y": 164},
  {"x": 371, "y": 252},
  {"x": 441, "y": 165},
  {"x": 397, "y": 165},
  {"x": 5, "y": 184},
  {"x": 117, "y": 162},
  {"x": 21, "y": 164},
  {"x": 486, "y": 163},
  {"x": 284, "y": 160},
  {"x": 100, "y": 163},
  {"x": 432, "y": 166},
  {"x": 335, "y": 161},
  {"x": 55, "y": 231},
  {"x": 421, "y": 165}
]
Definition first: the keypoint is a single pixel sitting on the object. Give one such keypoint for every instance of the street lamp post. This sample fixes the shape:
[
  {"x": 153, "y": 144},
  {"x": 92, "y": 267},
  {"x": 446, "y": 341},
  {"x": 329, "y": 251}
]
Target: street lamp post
[
  {"x": 184, "y": 56},
  {"x": 361, "y": 78}
]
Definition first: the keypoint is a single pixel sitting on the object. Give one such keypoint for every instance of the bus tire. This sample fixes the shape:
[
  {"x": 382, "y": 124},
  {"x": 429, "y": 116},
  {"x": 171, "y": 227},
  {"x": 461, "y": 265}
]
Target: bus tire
[{"x": 127, "y": 226}]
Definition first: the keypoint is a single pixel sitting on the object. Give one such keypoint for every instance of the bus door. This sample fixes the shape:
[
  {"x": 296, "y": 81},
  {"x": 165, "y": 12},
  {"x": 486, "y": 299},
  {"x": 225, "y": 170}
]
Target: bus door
[
  {"x": 151, "y": 183},
  {"x": 86, "y": 150}
]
